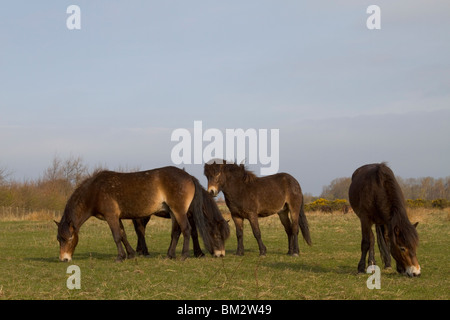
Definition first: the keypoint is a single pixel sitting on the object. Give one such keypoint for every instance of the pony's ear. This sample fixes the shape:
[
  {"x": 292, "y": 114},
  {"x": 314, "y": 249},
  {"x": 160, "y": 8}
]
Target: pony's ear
[
  {"x": 416, "y": 224},
  {"x": 396, "y": 231},
  {"x": 57, "y": 223}
]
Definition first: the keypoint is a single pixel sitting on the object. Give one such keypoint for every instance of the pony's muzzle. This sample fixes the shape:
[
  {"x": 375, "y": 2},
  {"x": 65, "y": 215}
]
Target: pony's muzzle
[
  {"x": 65, "y": 257},
  {"x": 413, "y": 271},
  {"x": 213, "y": 191},
  {"x": 219, "y": 253}
]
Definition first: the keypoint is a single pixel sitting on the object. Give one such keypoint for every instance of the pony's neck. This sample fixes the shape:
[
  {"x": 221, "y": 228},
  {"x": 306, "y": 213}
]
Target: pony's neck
[
  {"x": 233, "y": 181},
  {"x": 234, "y": 187},
  {"x": 75, "y": 216}
]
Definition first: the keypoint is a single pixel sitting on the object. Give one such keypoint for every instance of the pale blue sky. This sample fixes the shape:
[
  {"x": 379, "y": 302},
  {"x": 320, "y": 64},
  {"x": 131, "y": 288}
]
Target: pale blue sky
[{"x": 113, "y": 92}]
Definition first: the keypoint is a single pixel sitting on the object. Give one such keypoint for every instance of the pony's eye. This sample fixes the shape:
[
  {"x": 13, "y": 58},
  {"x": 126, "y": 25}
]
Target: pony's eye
[{"x": 402, "y": 249}]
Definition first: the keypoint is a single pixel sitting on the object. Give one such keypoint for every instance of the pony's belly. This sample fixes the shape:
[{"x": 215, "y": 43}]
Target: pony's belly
[
  {"x": 144, "y": 211},
  {"x": 266, "y": 213}
]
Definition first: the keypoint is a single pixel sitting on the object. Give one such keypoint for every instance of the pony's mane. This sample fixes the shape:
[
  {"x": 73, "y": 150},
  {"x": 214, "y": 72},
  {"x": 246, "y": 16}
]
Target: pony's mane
[
  {"x": 399, "y": 217},
  {"x": 248, "y": 176},
  {"x": 76, "y": 200},
  {"x": 210, "y": 208},
  {"x": 408, "y": 231},
  {"x": 213, "y": 165}
]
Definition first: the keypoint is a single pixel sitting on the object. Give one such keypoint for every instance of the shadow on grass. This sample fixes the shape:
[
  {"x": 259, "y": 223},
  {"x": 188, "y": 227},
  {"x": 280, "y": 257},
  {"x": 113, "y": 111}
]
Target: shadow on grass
[
  {"x": 85, "y": 256},
  {"x": 338, "y": 269},
  {"x": 315, "y": 268}
]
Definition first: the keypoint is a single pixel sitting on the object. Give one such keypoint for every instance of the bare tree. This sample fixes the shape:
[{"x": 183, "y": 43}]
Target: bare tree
[
  {"x": 72, "y": 170},
  {"x": 4, "y": 176},
  {"x": 337, "y": 189}
]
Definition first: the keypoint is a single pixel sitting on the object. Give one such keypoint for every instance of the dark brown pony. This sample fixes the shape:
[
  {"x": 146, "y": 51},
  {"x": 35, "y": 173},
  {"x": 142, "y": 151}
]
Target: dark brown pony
[
  {"x": 113, "y": 196},
  {"x": 141, "y": 224},
  {"x": 250, "y": 197},
  {"x": 209, "y": 205},
  {"x": 376, "y": 198}
]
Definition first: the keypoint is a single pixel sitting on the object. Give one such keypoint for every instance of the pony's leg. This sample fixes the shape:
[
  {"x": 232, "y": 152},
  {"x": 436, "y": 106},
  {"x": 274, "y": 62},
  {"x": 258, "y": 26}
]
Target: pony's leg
[
  {"x": 387, "y": 262},
  {"x": 239, "y": 223},
  {"x": 130, "y": 251},
  {"x": 257, "y": 233},
  {"x": 197, "y": 250},
  {"x": 186, "y": 230},
  {"x": 175, "y": 235},
  {"x": 294, "y": 237},
  {"x": 139, "y": 227},
  {"x": 365, "y": 246},
  {"x": 383, "y": 245},
  {"x": 185, "y": 227},
  {"x": 284, "y": 218},
  {"x": 371, "y": 260},
  {"x": 114, "y": 225}
]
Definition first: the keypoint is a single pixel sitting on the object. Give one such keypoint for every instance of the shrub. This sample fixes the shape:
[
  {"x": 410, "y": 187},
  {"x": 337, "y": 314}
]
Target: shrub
[
  {"x": 418, "y": 203},
  {"x": 440, "y": 203},
  {"x": 325, "y": 205}
]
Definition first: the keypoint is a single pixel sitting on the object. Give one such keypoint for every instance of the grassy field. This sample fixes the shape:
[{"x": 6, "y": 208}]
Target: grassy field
[{"x": 29, "y": 267}]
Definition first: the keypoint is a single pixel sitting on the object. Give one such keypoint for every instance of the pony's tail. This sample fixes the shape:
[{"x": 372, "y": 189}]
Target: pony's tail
[
  {"x": 303, "y": 223},
  {"x": 382, "y": 245},
  {"x": 200, "y": 220}
]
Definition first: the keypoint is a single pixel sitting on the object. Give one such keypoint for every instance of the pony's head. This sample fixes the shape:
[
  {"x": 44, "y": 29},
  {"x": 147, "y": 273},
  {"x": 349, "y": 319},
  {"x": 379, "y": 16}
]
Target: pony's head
[
  {"x": 403, "y": 249},
  {"x": 214, "y": 173},
  {"x": 220, "y": 233},
  {"x": 218, "y": 228},
  {"x": 68, "y": 239}
]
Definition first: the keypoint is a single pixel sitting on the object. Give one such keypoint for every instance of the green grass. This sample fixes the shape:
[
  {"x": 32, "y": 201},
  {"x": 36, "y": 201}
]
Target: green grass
[{"x": 29, "y": 266}]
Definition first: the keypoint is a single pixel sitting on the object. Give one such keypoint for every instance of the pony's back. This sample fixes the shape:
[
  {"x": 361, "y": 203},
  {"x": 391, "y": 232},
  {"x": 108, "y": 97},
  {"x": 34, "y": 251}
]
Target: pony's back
[{"x": 375, "y": 192}]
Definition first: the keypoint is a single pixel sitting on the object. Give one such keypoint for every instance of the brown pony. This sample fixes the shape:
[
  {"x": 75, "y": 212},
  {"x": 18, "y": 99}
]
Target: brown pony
[
  {"x": 113, "y": 196},
  {"x": 250, "y": 197},
  {"x": 376, "y": 198}
]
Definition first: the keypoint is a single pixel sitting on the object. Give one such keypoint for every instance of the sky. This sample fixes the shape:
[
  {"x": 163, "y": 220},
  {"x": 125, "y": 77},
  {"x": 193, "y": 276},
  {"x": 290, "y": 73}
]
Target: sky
[{"x": 340, "y": 94}]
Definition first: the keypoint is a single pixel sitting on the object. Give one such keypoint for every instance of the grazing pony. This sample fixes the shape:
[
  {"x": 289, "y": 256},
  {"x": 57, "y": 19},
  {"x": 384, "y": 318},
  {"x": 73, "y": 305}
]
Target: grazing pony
[
  {"x": 250, "y": 197},
  {"x": 209, "y": 205},
  {"x": 113, "y": 196},
  {"x": 141, "y": 224},
  {"x": 376, "y": 198}
]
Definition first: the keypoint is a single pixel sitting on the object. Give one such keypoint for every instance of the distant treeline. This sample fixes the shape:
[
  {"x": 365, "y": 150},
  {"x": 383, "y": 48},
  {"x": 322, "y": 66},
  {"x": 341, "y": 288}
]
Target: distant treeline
[
  {"x": 59, "y": 180},
  {"x": 427, "y": 188},
  {"x": 50, "y": 191},
  {"x": 419, "y": 193},
  {"x": 342, "y": 205}
]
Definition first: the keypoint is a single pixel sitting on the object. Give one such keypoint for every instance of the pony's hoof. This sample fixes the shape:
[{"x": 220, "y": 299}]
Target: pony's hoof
[{"x": 199, "y": 255}]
